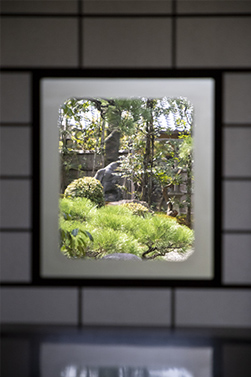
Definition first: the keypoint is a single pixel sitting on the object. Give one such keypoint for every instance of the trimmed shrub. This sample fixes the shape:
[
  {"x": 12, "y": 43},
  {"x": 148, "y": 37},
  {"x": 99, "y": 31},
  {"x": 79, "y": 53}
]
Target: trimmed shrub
[
  {"x": 86, "y": 187},
  {"x": 136, "y": 208}
]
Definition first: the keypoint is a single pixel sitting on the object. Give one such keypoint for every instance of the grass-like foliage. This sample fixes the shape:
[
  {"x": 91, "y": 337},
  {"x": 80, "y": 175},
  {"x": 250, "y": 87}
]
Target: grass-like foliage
[{"x": 116, "y": 229}]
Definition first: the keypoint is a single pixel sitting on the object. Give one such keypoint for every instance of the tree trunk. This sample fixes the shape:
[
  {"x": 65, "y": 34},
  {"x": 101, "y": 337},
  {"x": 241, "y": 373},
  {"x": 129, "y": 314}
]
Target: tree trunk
[
  {"x": 145, "y": 186},
  {"x": 148, "y": 158},
  {"x": 112, "y": 144},
  {"x": 189, "y": 194},
  {"x": 102, "y": 144},
  {"x": 64, "y": 156}
]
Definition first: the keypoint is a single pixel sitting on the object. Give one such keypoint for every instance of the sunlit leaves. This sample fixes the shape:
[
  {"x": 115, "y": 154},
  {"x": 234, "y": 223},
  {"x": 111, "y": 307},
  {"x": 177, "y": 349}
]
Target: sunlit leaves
[{"x": 73, "y": 243}]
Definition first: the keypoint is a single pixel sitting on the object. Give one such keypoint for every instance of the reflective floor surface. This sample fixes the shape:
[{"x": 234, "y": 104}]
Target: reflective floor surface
[{"x": 41, "y": 351}]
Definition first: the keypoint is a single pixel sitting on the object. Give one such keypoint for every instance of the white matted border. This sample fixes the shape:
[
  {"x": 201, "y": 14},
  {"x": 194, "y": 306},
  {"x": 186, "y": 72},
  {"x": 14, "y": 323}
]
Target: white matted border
[{"x": 200, "y": 92}]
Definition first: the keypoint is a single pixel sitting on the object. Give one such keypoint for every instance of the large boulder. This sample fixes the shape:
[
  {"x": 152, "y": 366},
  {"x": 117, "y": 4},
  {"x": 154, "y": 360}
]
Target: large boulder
[{"x": 110, "y": 180}]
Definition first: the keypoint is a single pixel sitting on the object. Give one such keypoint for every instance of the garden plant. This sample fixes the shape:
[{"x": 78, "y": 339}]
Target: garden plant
[
  {"x": 96, "y": 232},
  {"x": 151, "y": 139}
]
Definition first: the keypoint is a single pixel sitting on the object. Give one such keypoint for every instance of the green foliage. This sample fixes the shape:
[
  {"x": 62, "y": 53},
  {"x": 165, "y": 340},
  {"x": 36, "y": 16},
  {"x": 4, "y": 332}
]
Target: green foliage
[
  {"x": 86, "y": 187},
  {"x": 73, "y": 243},
  {"x": 76, "y": 209},
  {"x": 136, "y": 208},
  {"x": 109, "y": 241},
  {"x": 186, "y": 149},
  {"x": 79, "y": 128},
  {"x": 182, "y": 220},
  {"x": 117, "y": 229},
  {"x": 149, "y": 162}
]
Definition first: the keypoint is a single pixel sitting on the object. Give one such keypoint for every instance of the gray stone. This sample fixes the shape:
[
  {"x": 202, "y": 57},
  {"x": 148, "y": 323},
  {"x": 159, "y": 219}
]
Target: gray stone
[
  {"x": 122, "y": 256},
  {"x": 110, "y": 181},
  {"x": 112, "y": 143}
]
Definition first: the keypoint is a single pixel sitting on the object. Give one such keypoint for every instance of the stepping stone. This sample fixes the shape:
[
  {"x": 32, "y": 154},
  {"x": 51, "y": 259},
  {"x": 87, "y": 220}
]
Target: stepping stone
[{"x": 121, "y": 256}]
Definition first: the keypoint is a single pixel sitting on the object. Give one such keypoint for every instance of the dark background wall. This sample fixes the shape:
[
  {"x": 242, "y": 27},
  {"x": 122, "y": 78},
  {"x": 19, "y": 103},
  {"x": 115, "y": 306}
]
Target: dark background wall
[{"x": 175, "y": 36}]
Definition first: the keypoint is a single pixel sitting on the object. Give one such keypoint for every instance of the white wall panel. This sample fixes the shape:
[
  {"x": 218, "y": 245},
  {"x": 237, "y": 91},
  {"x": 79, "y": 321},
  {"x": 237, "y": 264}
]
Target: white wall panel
[
  {"x": 15, "y": 97},
  {"x": 237, "y": 98},
  {"x": 237, "y": 156},
  {"x": 39, "y": 305},
  {"x": 39, "y": 6},
  {"x": 236, "y": 205},
  {"x": 127, "y": 6},
  {"x": 237, "y": 258},
  {"x": 213, "y": 42},
  {"x": 213, "y": 307},
  {"x": 15, "y": 257},
  {"x": 127, "y": 42},
  {"x": 39, "y": 42},
  {"x": 213, "y": 6},
  {"x": 15, "y": 199},
  {"x": 15, "y": 151},
  {"x": 141, "y": 307}
]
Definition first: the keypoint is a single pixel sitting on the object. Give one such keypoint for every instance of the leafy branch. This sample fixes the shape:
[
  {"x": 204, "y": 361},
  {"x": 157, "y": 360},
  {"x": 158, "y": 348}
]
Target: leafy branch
[
  {"x": 74, "y": 243},
  {"x": 161, "y": 251}
]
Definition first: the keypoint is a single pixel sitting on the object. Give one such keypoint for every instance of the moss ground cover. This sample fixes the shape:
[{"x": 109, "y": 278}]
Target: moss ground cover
[{"x": 117, "y": 229}]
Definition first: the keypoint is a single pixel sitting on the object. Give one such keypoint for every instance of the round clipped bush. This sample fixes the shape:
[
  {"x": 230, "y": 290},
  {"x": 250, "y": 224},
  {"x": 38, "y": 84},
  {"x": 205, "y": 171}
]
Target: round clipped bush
[
  {"x": 86, "y": 187},
  {"x": 136, "y": 208}
]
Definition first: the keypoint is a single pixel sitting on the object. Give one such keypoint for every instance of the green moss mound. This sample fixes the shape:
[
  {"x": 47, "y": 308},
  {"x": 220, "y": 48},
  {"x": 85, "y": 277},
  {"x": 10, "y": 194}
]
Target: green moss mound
[{"x": 87, "y": 187}]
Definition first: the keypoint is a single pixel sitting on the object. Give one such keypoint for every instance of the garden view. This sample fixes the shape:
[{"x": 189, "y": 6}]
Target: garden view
[{"x": 126, "y": 178}]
